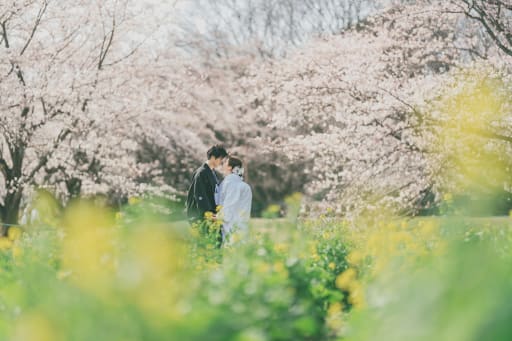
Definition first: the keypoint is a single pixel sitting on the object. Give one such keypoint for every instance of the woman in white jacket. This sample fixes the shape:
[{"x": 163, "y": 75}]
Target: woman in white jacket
[{"x": 235, "y": 199}]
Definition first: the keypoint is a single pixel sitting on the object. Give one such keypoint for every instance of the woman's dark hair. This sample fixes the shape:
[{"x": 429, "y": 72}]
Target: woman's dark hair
[
  {"x": 234, "y": 162},
  {"x": 216, "y": 151}
]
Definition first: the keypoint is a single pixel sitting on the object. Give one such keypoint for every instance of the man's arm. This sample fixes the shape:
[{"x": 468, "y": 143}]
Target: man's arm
[{"x": 201, "y": 193}]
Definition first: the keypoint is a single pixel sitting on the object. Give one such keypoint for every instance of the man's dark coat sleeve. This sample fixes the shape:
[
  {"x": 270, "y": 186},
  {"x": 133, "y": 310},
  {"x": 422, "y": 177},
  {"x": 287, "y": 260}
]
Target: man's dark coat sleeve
[
  {"x": 201, "y": 197},
  {"x": 204, "y": 192}
]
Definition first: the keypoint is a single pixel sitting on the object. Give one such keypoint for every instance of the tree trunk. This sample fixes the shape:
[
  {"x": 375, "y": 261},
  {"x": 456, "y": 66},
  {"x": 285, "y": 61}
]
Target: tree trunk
[
  {"x": 12, "y": 200},
  {"x": 10, "y": 210}
]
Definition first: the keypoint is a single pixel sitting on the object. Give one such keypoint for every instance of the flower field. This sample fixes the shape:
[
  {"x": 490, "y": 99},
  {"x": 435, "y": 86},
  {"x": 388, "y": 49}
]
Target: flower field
[{"x": 95, "y": 274}]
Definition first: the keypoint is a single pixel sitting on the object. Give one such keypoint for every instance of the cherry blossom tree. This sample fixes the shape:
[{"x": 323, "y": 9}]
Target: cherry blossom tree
[
  {"x": 68, "y": 104},
  {"x": 350, "y": 108},
  {"x": 96, "y": 100},
  {"x": 199, "y": 104},
  {"x": 349, "y": 103}
]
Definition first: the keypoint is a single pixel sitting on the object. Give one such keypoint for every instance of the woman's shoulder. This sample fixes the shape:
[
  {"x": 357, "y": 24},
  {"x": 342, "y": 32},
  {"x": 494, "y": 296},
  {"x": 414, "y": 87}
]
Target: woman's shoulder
[
  {"x": 232, "y": 178},
  {"x": 245, "y": 185}
]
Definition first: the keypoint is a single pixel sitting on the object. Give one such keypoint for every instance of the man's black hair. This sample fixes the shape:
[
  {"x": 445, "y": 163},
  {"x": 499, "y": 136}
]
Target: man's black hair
[{"x": 216, "y": 151}]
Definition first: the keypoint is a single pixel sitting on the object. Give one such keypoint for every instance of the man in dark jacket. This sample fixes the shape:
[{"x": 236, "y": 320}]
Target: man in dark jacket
[{"x": 201, "y": 194}]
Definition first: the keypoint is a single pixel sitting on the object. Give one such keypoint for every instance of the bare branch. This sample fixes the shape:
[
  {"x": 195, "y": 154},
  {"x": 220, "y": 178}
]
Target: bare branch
[
  {"x": 492, "y": 16},
  {"x": 5, "y": 39},
  {"x": 42, "y": 10},
  {"x": 45, "y": 157},
  {"x": 106, "y": 45}
]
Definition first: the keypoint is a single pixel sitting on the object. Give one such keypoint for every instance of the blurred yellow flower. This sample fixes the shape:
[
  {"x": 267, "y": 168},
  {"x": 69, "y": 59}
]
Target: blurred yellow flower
[
  {"x": 312, "y": 247},
  {"x": 279, "y": 267},
  {"x": 133, "y": 200},
  {"x": 356, "y": 296},
  {"x": 326, "y": 235},
  {"x": 34, "y": 327},
  {"x": 89, "y": 245},
  {"x": 194, "y": 232},
  {"x": 262, "y": 268},
  {"x": 5, "y": 243},
  {"x": 332, "y": 266},
  {"x": 345, "y": 279},
  {"x": 280, "y": 247},
  {"x": 16, "y": 251},
  {"x": 428, "y": 228},
  {"x": 400, "y": 238},
  {"x": 335, "y": 308},
  {"x": 448, "y": 197},
  {"x": 355, "y": 257},
  {"x": 14, "y": 233},
  {"x": 334, "y": 318}
]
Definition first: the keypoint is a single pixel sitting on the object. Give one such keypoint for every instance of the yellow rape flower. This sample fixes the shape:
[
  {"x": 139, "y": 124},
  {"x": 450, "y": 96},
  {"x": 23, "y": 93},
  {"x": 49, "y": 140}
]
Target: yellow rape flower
[
  {"x": 401, "y": 237},
  {"x": 356, "y": 296},
  {"x": 194, "y": 232},
  {"x": 5, "y": 243},
  {"x": 355, "y": 257},
  {"x": 17, "y": 251},
  {"x": 279, "y": 267},
  {"x": 334, "y": 318},
  {"x": 88, "y": 247},
  {"x": 14, "y": 233},
  {"x": 133, "y": 201},
  {"x": 448, "y": 197},
  {"x": 262, "y": 268},
  {"x": 335, "y": 308},
  {"x": 312, "y": 248},
  {"x": 403, "y": 224},
  {"x": 332, "y": 266},
  {"x": 345, "y": 279},
  {"x": 280, "y": 247},
  {"x": 118, "y": 216},
  {"x": 34, "y": 326},
  {"x": 429, "y": 228}
]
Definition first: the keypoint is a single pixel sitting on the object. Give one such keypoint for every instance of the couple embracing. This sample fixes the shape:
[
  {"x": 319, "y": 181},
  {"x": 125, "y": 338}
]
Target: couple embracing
[{"x": 232, "y": 195}]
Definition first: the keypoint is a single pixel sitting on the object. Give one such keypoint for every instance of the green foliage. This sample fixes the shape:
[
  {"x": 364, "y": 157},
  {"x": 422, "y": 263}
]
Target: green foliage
[
  {"x": 459, "y": 295},
  {"x": 139, "y": 277},
  {"x": 136, "y": 275}
]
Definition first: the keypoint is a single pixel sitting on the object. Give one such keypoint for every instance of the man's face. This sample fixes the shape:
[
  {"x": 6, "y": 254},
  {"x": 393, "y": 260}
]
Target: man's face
[{"x": 217, "y": 162}]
